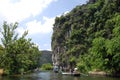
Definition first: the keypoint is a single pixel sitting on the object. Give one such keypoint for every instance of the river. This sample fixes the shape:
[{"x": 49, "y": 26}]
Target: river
[{"x": 54, "y": 76}]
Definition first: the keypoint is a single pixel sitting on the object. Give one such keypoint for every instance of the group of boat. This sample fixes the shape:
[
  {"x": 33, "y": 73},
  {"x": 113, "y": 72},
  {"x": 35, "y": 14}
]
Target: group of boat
[{"x": 75, "y": 72}]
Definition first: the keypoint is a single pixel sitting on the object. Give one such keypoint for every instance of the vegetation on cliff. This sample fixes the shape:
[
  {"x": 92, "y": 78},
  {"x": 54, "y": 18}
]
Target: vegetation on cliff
[{"x": 89, "y": 37}]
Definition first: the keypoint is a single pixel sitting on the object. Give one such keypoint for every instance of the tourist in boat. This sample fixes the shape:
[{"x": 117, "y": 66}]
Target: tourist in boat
[
  {"x": 55, "y": 69},
  {"x": 75, "y": 70},
  {"x": 71, "y": 70}
]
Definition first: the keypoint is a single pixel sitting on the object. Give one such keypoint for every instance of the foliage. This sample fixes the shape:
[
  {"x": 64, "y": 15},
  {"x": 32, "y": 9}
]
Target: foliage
[
  {"x": 91, "y": 35},
  {"x": 1, "y": 55},
  {"x": 47, "y": 66},
  {"x": 20, "y": 54}
]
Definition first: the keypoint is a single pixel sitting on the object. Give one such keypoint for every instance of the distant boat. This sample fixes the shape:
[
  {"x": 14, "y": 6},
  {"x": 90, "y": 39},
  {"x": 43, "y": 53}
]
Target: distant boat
[{"x": 56, "y": 69}]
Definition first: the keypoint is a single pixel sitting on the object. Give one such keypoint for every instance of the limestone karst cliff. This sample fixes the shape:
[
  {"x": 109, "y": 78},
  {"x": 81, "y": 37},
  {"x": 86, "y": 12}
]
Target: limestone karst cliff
[{"x": 88, "y": 37}]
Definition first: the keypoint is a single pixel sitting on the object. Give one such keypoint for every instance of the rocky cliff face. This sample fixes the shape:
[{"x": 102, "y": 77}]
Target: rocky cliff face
[{"x": 63, "y": 28}]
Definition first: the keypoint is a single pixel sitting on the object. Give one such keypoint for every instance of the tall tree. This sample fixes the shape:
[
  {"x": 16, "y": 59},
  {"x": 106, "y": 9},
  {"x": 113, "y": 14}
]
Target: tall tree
[
  {"x": 20, "y": 54},
  {"x": 9, "y": 37}
]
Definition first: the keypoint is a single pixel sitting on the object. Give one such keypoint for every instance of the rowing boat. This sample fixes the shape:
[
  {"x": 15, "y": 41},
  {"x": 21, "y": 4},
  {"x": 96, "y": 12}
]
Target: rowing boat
[{"x": 69, "y": 73}]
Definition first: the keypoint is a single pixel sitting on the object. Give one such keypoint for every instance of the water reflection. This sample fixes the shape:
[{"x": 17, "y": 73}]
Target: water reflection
[{"x": 54, "y": 76}]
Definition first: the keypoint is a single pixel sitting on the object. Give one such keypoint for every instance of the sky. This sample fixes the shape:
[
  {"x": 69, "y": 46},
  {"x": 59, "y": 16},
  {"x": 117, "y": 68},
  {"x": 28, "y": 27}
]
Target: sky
[{"x": 36, "y": 16}]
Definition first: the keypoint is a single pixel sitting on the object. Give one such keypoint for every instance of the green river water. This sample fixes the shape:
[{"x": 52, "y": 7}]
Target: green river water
[{"x": 54, "y": 76}]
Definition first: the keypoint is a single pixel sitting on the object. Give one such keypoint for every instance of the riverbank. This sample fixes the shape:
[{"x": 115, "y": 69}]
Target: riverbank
[
  {"x": 3, "y": 73},
  {"x": 103, "y": 73}
]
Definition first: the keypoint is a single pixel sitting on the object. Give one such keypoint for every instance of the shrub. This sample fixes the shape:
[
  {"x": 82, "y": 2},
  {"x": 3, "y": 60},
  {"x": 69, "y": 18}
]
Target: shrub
[{"x": 47, "y": 66}]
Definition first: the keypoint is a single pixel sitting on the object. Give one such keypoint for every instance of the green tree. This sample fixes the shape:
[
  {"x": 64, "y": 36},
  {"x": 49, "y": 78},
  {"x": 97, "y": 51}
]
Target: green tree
[
  {"x": 9, "y": 37},
  {"x": 20, "y": 54},
  {"x": 1, "y": 56},
  {"x": 98, "y": 53}
]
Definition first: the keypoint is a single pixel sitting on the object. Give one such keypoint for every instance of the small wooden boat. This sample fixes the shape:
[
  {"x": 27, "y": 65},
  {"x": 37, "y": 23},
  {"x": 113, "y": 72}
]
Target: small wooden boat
[
  {"x": 69, "y": 73},
  {"x": 66, "y": 73}
]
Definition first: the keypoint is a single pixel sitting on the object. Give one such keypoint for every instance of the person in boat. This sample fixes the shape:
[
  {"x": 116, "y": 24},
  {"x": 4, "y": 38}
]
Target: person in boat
[
  {"x": 55, "y": 69},
  {"x": 75, "y": 70},
  {"x": 71, "y": 70},
  {"x": 61, "y": 69}
]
